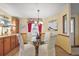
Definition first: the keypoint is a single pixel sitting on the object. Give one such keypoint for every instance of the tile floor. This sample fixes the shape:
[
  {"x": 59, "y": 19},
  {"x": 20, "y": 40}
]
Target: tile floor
[{"x": 75, "y": 51}]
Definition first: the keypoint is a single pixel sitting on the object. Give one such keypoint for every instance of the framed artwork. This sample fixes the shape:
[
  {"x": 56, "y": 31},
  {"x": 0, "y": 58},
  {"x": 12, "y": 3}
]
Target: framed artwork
[{"x": 53, "y": 24}]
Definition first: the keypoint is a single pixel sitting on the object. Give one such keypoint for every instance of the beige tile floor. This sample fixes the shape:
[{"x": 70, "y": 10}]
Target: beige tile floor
[
  {"x": 75, "y": 51},
  {"x": 14, "y": 52}
]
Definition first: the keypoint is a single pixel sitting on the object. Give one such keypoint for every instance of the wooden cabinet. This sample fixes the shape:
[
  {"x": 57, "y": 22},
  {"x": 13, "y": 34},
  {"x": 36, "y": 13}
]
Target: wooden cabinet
[
  {"x": 6, "y": 45},
  {"x": 16, "y": 41},
  {"x": 13, "y": 42},
  {"x": 1, "y": 46},
  {"x": 15, "y": 22},
  {"x": 17, "y": 26}
]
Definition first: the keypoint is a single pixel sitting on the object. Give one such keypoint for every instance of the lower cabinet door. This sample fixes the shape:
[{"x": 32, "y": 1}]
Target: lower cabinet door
[
  {"x": 12, "y": 42},
  {"x": 16, "y": 41},
  {"x": 1, "y": 47},
  {"x": 7, "y": 48}
]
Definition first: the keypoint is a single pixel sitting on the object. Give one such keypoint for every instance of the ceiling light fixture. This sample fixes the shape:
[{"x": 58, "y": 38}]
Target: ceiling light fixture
[{"x": 38, "y": 21}]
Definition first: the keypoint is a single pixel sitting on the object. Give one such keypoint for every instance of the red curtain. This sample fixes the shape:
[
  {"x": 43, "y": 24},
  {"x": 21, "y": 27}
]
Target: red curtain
[
  {"x": 40, "y": 27},
  {"x": 29, "y": 26}
]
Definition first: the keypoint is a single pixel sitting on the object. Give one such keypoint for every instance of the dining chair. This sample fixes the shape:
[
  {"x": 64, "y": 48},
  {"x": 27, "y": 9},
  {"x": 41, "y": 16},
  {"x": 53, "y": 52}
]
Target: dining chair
[
  {"x": 48, "y": 48},
  {"x": 25, "y": 49},
  {"x": 51, "y": 45},
  {"x": 46, "y": 37},
  {"x": 43, "y": 47},
  {"x": 29, "y": 37}
]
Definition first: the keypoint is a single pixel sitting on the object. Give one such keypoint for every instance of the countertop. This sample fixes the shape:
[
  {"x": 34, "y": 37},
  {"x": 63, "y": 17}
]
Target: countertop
[{"x": 7, "y": 35}]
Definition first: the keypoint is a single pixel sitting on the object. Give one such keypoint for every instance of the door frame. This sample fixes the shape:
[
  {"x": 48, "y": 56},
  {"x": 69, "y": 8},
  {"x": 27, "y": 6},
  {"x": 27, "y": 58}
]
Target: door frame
[{"x": 74, "y": 30}]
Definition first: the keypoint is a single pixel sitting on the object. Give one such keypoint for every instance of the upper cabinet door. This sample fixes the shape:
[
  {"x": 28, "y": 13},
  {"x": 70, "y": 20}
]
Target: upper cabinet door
[{"x": 15, "y": 22}]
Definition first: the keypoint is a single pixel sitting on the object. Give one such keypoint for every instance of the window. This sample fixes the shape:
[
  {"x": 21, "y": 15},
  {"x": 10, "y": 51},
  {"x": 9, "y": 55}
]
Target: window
[{"x": 65, "y": 24}]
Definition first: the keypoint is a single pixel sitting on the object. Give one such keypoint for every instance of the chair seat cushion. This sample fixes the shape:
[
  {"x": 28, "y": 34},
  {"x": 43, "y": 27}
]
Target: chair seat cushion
[
  {"x": 43, "y": 50},
  {"x": 28, "y": 46},
  {"x": 29, "y": 50}
]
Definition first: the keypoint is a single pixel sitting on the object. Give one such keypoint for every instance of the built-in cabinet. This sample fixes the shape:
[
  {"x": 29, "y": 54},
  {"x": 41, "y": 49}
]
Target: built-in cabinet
[
  {"x": 15, "y": 22},
  {"x": 16, "y": 41},
  {"x": 7, "y": 44},
  {"x": 12, "y": 42},
  {"x": 8, "y": 41},
  {"x": 1, "y": 46}
]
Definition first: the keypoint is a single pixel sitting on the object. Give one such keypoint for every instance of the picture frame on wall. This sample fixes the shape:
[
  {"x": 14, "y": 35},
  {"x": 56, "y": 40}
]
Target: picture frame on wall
[{"x": 53, "y": 24}]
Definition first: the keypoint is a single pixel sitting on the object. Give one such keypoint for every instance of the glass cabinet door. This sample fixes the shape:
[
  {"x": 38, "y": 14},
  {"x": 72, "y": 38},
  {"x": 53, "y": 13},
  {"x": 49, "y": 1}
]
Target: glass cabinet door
[{"x": 0, "y": 30}]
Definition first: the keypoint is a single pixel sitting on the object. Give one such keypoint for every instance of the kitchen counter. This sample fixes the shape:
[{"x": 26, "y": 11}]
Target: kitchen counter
[
  {"x": 7, "y": 35},
  {"x": 8, "y": 43}
]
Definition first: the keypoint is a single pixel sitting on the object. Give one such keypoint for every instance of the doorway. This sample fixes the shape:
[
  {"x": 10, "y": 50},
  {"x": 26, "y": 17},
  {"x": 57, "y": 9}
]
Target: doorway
[{"x": 72, "y": 31}]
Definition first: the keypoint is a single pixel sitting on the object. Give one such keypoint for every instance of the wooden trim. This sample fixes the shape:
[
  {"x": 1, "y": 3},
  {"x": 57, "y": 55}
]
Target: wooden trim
[
  {"x": 63, "y": 35},
  {"x": 64, "y": 23},
  {"x": 63, "y": 49},
  {"x": 75, "y": 46},
  {"x": 74, "y": 28},
  {"x": 23, "y": 33}
]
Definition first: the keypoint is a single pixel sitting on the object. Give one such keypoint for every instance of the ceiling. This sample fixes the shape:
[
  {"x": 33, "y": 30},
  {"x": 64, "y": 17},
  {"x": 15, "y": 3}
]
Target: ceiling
[
  {"x": 30, "y": 9},
  {"x": 75, "y": 8}
]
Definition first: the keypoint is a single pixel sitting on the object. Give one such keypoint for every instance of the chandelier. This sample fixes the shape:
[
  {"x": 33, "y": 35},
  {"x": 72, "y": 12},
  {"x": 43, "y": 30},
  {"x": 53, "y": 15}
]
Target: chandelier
[{"x": 38, "y": 19}]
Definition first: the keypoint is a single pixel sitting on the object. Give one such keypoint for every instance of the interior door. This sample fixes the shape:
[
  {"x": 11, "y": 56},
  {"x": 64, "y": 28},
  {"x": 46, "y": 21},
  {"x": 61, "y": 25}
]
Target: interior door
[{"x": 72, "y": 31}]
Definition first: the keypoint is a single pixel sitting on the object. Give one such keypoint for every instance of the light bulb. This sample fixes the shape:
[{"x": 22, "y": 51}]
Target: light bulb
[
  {"x": 35, "y": 22},
  {"x": 40, "y": 22}
]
